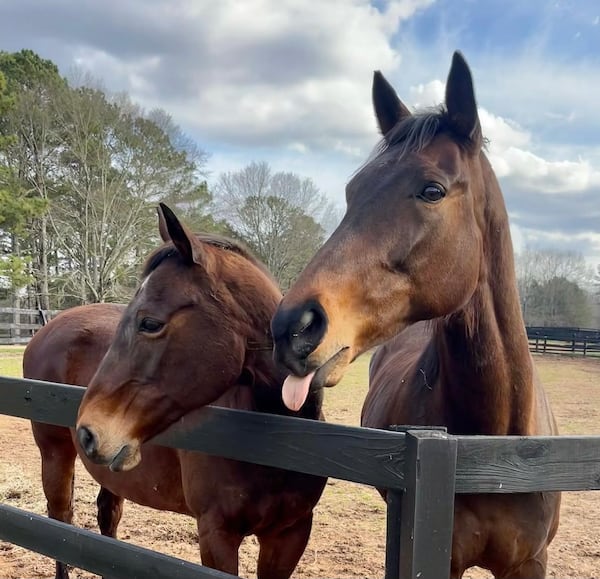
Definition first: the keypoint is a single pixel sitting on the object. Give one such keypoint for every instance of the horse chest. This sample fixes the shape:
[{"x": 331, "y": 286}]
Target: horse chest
[{"x": 254, "y": 496}]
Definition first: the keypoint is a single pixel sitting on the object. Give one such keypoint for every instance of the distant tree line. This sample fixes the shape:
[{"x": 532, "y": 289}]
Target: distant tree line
[
  {"x": 558, "y": 288},
  {"x": 81, "y": 173}
]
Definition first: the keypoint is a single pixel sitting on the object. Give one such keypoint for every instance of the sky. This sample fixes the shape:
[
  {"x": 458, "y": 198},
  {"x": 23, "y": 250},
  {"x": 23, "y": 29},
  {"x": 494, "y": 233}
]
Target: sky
[{"x": 289, "y": 82}]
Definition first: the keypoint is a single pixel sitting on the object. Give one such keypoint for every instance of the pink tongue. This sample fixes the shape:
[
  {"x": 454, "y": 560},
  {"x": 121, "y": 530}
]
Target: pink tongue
[{"x": 295, "y": 391}]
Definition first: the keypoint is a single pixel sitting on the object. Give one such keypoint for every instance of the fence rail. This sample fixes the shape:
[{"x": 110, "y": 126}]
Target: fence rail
[
  {"x": 564, "y": 340},
  {"x": 422, "y": 468},
  {"x": 17, "y": 325}
]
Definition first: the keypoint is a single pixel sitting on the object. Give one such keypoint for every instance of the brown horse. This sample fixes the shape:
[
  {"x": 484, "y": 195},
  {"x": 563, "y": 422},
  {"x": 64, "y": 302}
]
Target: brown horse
[
  {"x": 68, "y": 350},
  {"x": 423, "y": 256},
  {"x": 195, "y": 333}
]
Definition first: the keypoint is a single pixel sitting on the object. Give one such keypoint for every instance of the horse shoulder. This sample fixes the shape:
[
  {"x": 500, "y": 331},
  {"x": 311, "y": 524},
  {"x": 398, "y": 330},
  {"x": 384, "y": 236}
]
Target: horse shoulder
[{"x": 395, "y": 380}]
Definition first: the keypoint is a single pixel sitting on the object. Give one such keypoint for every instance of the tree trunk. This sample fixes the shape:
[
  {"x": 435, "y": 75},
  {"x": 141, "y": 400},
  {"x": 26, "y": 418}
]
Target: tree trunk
[{"x": 44, "y": 274}]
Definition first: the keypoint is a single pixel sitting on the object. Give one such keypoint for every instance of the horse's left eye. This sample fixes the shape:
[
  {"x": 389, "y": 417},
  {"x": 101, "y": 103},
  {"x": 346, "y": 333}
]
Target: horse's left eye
[
  {"x": 150, "y": 326},
  {"x": 432, "y": 193}
]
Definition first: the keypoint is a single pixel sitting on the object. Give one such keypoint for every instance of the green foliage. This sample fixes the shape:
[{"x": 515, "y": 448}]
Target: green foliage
[
  {"x": 17, "y": 210},
  {"x": 16, "y": 270},
  {"x": 80, "y": 176},
  {"x": 559, "y": 302},
  {"x": 26, "y": 70}
]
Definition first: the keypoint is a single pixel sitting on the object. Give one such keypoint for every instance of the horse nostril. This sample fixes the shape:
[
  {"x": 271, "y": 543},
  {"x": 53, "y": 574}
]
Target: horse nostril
[
  {"x": 87, "y": 441},
  {"x": 306, "y": 334},
  {"x": 297, "y": 332},
  {"x": 306, "y": 319}
]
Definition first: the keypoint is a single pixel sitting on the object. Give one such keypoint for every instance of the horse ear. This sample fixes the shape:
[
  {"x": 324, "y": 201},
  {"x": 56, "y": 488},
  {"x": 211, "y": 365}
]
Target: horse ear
[
  {"x": 389, "y": 109},
  {"x": 460, "y": 101},
  {"x": 171, "y": 229},
  {"x": 162, "y": 225}
]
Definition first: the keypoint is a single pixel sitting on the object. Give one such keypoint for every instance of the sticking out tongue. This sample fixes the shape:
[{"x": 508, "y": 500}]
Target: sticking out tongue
[{"x": 295, "y": 391}]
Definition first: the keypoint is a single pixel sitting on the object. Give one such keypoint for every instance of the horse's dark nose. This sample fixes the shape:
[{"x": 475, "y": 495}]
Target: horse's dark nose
[
  {"x": 297, "y": 332},
  {"x": 87, "y": 440}
]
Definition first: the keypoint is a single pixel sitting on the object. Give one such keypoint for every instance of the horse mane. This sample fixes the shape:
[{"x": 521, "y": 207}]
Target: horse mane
[{"x": 168, "y": 250}]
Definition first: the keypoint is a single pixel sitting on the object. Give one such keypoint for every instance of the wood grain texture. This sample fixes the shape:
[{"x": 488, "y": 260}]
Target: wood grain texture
[{"x": 95, "y": 552}]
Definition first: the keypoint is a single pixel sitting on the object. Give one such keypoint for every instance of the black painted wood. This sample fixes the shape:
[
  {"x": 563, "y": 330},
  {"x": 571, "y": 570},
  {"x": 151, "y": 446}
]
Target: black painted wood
[
  {"x": 485, "y": 464},
  {"x": 505, "y": 464},
  {"x": 95, "y": 552},
  {"x": 374, "y": 457},
  {"x": 427, "y": 505},
  {"x": 393, "y": 533}
]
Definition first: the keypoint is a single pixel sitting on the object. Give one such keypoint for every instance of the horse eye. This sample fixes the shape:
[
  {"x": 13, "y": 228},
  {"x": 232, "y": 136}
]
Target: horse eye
[
  {"x": 432, "y": 193},
  {"x": 150, "y": 326}
]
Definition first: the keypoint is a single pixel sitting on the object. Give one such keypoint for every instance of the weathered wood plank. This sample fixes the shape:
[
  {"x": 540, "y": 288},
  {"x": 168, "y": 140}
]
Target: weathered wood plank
[
  {"x": 27, "y": 312},
  {"x": 12, "y": 340},
  {"x": 484, "y": 464},
  {"x": 94, "y": 552},
  {"x": 19, "y": 326},
  {"x": 427, "y": 505},
  {"x": 503, "y": 464},
  {"x": 374, "y": 457}
]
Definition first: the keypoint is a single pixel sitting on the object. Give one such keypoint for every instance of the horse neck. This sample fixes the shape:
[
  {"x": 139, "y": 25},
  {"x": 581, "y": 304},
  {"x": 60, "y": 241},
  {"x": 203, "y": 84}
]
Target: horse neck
[{"x": 484, "y": 352}]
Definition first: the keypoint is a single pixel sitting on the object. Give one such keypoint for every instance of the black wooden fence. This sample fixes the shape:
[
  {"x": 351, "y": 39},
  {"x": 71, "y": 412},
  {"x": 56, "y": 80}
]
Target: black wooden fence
[
  {"x": 18, "y": 325},
  {"x": 564, "y": 340},
  {"x": 421, "y": 468}
]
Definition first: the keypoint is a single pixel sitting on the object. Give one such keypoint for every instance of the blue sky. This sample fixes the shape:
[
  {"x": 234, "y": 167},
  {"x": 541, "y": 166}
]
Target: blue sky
[{"x": 289, "y": 81}]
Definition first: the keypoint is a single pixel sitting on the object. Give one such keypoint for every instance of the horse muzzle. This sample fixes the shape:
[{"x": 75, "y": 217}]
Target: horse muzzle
[{"x": 117, "y": 456}]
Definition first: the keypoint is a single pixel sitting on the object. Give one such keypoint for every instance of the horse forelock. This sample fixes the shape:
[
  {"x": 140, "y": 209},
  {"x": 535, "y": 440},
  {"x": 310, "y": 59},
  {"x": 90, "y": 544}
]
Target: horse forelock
[{"x": 415, "y": 133}]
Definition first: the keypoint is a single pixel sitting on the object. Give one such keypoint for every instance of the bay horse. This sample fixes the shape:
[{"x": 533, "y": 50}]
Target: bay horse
[
  {"x": 195, "y": 333},
  {"x": 422, "y": 265}
]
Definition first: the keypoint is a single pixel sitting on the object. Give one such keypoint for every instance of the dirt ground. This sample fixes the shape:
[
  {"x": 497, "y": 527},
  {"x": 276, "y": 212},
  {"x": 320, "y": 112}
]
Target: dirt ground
[{"x": 348, "y": 537}]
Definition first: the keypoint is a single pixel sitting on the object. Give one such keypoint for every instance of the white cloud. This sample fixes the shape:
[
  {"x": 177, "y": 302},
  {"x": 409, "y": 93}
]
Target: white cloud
[
  {"x": 502, "y": 133},
  {"x": 534, "y": 172},
  {"x": 427, "y": 95},
  {"x": 256, "y": 71}
]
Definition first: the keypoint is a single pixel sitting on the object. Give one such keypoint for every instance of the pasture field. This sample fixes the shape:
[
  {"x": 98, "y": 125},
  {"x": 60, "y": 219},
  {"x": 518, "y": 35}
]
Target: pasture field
[{"x": 348, "y": 538}]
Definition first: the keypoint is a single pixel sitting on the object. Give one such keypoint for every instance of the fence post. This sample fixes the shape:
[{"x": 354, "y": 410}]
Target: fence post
[
  {"x": 16, "y": 334},
  {"x": 393, "y": 534},
  {"x": 428, "y": 505}
]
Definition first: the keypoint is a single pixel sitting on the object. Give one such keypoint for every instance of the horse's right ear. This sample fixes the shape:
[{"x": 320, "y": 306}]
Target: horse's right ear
[
  {"x": 171, "y": 229},
  {"x": 389, "y": 109},
  {"x": 461, "y": 103},
  {"x": 162, "y": 224}
]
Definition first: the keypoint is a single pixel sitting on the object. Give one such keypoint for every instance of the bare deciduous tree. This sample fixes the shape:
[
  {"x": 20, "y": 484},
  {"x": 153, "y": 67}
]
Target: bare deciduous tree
[
  {"x": 553, "y": 287},
  {"x": 281, "y": 216}
]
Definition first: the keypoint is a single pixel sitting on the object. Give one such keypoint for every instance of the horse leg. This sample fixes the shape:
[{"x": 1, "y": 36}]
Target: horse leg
[
  {"x": 58, "y": 475},
  {"x": 280, "y": 552},
  {"x": 219, "y": 547},
  {"x": 534, "y": 568},
  {"x": 110, "y": 510}
]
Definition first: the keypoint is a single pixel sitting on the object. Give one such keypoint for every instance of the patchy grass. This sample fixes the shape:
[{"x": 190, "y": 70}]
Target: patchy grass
[
  {"x": 343, "y": 402},
  {"x": 11, "y": 361}
]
